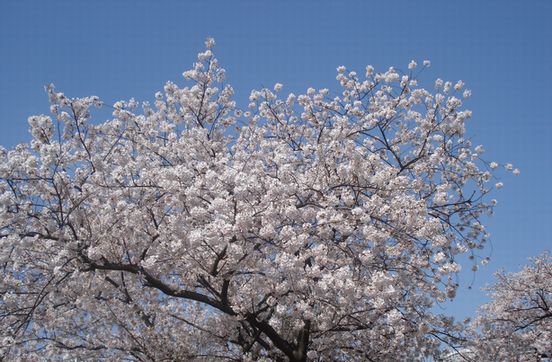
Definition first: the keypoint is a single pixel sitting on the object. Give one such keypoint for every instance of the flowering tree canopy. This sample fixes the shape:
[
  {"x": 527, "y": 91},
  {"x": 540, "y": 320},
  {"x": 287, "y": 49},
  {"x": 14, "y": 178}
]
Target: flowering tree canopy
[
  {"x": 310, "y": 227},
  {"x": 517, "y": 323}
]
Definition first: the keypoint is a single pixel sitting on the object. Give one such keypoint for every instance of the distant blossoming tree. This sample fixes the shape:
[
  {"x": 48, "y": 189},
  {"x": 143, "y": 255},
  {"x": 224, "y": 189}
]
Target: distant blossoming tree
[
  {"x": 517, "y": 324},
  {"x": 306, "y": 227}
]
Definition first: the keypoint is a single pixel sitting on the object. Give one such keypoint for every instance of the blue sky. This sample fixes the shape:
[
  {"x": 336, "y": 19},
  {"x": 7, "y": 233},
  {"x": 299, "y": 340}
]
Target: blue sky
[{"x": 122, "y": 49}]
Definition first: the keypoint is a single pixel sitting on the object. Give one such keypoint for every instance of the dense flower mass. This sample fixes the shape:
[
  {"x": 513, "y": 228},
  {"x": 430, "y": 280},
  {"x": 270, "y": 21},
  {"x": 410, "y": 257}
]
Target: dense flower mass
[{"x": 305, "y": 227}]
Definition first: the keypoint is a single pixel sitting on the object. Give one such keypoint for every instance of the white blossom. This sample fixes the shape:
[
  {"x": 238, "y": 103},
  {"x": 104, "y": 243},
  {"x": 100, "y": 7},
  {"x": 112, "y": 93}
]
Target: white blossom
[
  {"x": 210, "y": 43},
  {"x": 369, "y": 70},
  {"x": 459, "y": 85}
]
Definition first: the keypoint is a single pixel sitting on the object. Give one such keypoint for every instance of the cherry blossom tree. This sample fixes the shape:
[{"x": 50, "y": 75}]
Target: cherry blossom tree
[
  {"x": 517, "y": 324},
  {"x": 310, "y": 227}
]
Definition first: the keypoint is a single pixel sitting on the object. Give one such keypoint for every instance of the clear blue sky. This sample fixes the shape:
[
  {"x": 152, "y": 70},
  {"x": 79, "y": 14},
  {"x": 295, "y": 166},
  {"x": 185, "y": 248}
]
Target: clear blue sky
[{"x": 122, "y": 49}]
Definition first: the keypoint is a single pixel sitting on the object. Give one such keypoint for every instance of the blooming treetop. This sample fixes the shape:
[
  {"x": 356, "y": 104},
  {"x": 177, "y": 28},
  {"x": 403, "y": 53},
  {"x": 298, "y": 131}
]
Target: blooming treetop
[
  {"x": 308, "y": 227},
  {"x": 517, "y": 323}
]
